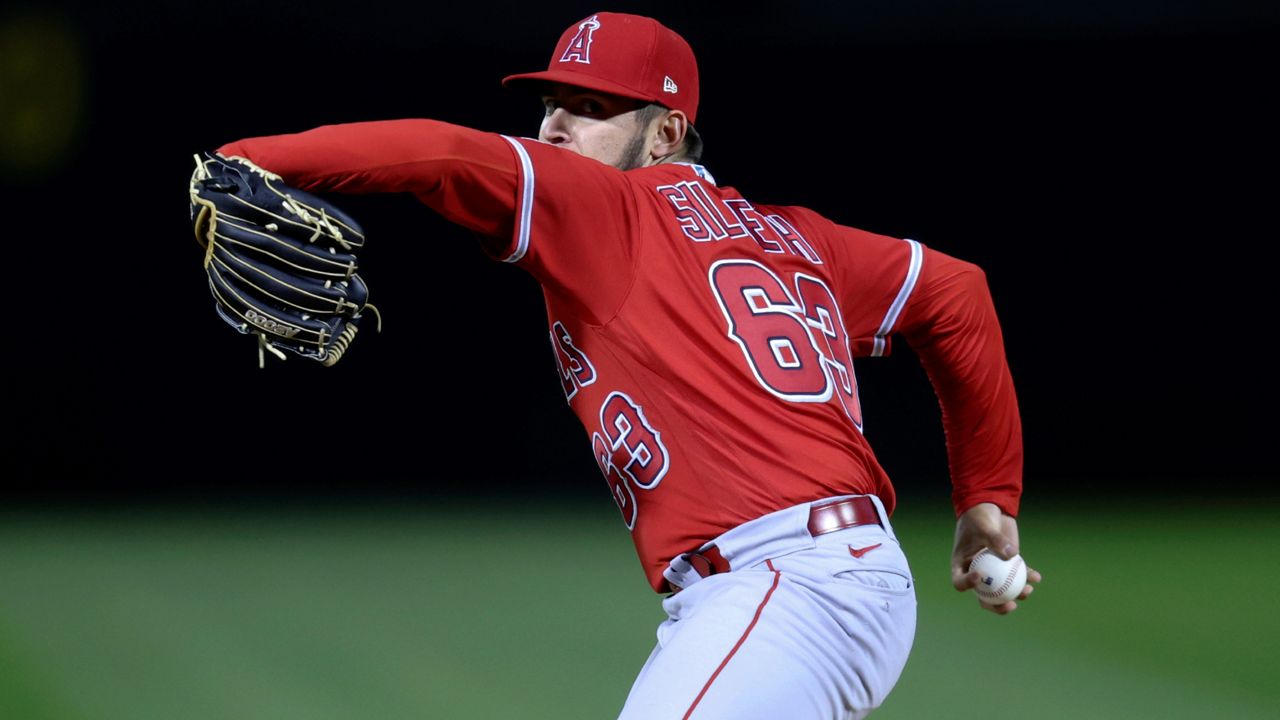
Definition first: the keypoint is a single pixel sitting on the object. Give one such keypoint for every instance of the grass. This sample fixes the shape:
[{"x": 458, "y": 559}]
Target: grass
[
  {"x": 1143, "y": 613},
  {"x": 464, "y": 612}
]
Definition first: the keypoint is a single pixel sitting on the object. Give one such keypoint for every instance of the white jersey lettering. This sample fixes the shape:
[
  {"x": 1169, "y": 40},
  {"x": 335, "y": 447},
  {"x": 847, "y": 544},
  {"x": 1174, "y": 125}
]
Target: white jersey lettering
[{"x": 704, "y": 218}]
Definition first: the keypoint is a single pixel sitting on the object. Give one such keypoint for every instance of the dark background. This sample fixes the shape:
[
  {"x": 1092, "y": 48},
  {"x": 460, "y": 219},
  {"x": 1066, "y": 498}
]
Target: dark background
[{"x": 1110, "y": 165}]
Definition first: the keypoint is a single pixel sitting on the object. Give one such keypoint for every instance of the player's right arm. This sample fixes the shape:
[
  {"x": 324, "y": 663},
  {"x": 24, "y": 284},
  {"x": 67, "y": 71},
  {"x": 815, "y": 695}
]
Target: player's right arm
[
  {"x": 942, "y": 306},
  {"x": 951, "y": 324},
  {"x": 562, "y": 217}
]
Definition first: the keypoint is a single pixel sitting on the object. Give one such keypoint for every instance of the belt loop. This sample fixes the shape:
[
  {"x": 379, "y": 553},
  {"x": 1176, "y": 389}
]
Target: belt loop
[
  {"x": 690, "y": 567},
  {"x": 710, "y": 559}
]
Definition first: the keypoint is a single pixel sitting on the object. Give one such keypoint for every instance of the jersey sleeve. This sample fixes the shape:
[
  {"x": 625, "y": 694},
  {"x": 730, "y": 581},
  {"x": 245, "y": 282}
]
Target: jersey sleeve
[
  {"x": 876, "y": 276},
  {"x": 950, "y": 322},
  {"x": 566, "y": 219},
  {"x": 943, "y": 308},
  {"x": 576, "y": 227}
]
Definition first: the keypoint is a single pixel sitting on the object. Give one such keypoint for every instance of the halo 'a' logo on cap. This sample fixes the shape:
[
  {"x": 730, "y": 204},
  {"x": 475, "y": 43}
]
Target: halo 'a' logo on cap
[{"x": 579, "y": 49}]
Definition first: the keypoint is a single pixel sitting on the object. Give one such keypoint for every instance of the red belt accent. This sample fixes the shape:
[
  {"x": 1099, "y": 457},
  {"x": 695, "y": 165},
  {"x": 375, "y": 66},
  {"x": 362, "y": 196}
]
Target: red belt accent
[
  {"x": 826, "y": 518},
  {"x": 841, "y": 514}
]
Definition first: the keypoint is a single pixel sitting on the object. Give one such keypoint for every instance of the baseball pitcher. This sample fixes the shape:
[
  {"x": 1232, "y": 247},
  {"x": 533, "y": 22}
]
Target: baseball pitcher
[{"x": 706, "y": 342}]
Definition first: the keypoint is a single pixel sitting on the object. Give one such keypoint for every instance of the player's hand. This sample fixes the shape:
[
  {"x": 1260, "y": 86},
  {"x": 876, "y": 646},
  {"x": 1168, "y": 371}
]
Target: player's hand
[{"x": 986, "y": 526}]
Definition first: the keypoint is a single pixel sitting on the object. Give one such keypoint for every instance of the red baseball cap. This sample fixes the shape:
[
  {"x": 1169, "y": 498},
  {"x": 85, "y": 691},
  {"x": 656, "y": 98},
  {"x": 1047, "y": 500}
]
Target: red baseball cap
[{"x": 628, "y": 55}]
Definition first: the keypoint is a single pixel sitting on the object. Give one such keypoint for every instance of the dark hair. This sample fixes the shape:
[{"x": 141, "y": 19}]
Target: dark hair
[
  {"x": 691, "y": 150},
  {"x": 692, "y": 145}
]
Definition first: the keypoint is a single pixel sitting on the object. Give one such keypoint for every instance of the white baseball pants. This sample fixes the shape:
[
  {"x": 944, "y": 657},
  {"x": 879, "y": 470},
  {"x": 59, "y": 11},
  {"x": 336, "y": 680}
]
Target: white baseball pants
[{"x": 803, "y": 628}]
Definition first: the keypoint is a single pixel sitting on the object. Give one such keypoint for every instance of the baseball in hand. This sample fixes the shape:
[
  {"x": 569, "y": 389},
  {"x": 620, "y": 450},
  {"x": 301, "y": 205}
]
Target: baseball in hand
[{"x": 1002, "y": 580}]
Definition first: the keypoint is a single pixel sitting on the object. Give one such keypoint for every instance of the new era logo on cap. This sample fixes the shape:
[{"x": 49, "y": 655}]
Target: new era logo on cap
[{"x": 628, "y": 55}]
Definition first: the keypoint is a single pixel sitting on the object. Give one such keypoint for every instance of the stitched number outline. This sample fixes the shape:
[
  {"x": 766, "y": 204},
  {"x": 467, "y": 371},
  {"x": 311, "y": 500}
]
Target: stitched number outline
[
  {"x": 629, "y": 451},
  {"x": 822, "y": 313},
  {"x": 794, "y": 342}
]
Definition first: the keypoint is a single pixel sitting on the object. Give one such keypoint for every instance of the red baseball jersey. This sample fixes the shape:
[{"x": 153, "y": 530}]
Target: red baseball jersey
[{"x": 705, "y": 341}]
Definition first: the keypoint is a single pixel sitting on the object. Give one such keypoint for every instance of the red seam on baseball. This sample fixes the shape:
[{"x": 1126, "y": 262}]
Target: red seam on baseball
[
  {"x": 776, "y": 576},
  {"x": 993, "y": 593}
]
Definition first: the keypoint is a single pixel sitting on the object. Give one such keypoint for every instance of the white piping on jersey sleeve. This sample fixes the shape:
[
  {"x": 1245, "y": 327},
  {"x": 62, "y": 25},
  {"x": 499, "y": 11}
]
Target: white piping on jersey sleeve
[
  {"x": 526, "y": 202},
  {"x": 908, "y": 285}
]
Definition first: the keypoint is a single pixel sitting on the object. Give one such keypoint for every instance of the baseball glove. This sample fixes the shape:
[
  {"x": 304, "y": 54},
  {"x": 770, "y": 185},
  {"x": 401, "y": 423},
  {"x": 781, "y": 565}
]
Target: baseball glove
[{"x": 281, "y": 262}]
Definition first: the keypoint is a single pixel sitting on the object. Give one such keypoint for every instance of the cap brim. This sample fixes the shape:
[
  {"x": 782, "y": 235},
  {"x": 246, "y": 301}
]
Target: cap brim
[{"x": 578, "y": 80}]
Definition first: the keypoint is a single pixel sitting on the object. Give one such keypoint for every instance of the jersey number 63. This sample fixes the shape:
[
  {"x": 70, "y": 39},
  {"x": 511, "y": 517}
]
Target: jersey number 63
[{"x": 793, "y": 338}]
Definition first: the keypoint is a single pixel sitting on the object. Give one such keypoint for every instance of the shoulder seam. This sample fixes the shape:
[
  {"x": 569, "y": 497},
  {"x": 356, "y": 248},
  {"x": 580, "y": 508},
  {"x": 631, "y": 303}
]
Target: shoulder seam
[
  {"x": 635, "y": 260},
  {"x": 899, "y": 302}
]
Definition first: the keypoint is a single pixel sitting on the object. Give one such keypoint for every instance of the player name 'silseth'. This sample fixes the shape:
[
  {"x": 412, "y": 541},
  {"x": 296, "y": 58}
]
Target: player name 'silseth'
[{"x": 703, "y": 218}]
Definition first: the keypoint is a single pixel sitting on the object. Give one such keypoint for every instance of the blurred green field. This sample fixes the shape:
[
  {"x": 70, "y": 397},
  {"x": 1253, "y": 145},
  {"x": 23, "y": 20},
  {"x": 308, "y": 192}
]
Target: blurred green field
[{"x": 477, "y": 611}]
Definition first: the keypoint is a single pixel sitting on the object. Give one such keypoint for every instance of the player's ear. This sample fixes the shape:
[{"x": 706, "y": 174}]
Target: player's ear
[{"x": 669, "y": 130}]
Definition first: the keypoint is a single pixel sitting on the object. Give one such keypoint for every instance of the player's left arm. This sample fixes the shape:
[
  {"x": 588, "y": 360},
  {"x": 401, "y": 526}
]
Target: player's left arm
[
  {"x": 564, "y": 218},
  {"x": 951, "y": 324},
  {"x": 468, "y": 175}
]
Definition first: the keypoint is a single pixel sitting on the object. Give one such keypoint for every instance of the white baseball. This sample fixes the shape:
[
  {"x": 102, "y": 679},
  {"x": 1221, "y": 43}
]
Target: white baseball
[{"x": 1002, "y": 580}]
